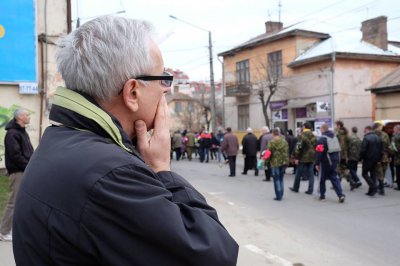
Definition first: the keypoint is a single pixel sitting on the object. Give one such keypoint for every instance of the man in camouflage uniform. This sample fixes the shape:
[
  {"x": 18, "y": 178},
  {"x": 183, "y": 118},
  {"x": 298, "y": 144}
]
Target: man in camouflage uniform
[
  {"x": 279, "y": 160},
  {"x": 343, "y": 136},
  {"x": 383, "y": 164},
  {"x": 395, "y": 148},
  {"x": 305, "y": 157},
  {"x": 353, "y": 152}
]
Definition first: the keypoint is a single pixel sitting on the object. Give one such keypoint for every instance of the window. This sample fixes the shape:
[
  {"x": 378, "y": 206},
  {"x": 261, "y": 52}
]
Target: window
[
  {"x": 242, "y": 72},
  {"x": 178, "y": 107},
  {"x": 275, "y": 65},
  {"x": 243, "y": 117}
]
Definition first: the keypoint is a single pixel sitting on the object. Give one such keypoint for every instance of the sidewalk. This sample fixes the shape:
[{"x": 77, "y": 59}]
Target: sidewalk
[{"x": 6, "y": 254}]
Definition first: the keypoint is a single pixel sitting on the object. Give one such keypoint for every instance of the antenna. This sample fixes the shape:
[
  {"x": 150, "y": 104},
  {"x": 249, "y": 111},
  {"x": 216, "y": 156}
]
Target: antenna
[
  {"x": 269, "y": 15},
  {"x": 279, "y": 8}
]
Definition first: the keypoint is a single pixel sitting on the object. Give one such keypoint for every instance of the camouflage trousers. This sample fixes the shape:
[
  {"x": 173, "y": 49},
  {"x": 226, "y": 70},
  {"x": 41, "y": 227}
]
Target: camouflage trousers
[
  {"x": 344, "y": 172},
  {"x": 380, "y": 170}
]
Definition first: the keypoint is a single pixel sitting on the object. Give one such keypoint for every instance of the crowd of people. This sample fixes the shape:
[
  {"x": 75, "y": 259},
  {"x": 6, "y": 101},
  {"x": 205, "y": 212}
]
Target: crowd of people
[{"x": 332, "y": 155}]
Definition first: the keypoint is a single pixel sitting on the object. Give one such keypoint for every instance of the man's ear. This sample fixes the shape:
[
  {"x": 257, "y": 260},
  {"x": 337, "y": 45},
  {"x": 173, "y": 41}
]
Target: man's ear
[{"x": 131, "y": 94}]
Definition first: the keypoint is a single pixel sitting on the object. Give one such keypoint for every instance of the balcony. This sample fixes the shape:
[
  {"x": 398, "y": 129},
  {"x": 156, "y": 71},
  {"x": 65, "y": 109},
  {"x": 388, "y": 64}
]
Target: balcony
[{"x": 238, "y": 89}]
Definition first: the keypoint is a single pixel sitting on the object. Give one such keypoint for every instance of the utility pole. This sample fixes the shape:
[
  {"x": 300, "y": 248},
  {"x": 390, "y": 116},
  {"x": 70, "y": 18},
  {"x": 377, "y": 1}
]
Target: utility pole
[
  {"x": 331, "y": 87},
  {"x": 213, "y": 114},
  {"x": 212, "y": 83}
]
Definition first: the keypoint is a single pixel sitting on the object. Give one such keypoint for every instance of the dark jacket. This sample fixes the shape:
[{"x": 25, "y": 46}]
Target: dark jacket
[
  {"x": 249, "y": 143},
  {"x": 18, "y": 147},
  {"x": 230, "y": 145},
  {"x": 87, "y": 198},
  {"x": 371, "y": 148},
  {"x": 322, "y": 156},
  {"x": 291, "y": 140}
]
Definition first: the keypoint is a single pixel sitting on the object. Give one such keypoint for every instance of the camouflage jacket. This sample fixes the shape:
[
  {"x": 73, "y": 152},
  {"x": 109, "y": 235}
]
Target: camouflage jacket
[
  {"x": 354, "y": 148},
  {"x": 386, "y": 145},
  {"x": 395, "y": 148},
  {"x": 279, "y": 152},
  {"x": 344, "y": 144},
  {"x": 305, "y": 147}
]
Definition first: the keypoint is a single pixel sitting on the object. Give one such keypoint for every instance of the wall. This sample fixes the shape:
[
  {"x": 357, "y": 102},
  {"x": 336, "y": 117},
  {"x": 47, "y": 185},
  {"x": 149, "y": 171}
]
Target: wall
[
  {"x": 388, "y": 106},
  {"x": 353, "y": 104},
  {"x": 10, "y": 99}
]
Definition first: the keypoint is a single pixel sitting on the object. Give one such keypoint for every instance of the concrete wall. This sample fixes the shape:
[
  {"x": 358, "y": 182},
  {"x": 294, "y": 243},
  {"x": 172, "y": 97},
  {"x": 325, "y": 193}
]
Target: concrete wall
[{"x": 10, "y": 99}]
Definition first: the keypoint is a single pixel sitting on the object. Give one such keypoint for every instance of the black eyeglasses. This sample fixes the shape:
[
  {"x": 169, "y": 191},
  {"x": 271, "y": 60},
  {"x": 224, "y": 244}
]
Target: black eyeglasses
[{"x": 165, "y": 80}]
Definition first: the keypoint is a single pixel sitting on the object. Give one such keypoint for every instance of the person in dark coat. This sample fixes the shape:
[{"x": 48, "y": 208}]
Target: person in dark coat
[
  {"x": 250, "y": 149},
  {"x": 18, "y": 151},
  {"x": 327, "y": 162},
  {"x": 370, "y": 154},
  {"x": 230, "y": 146},
  {"x": 88, "y": 196}
]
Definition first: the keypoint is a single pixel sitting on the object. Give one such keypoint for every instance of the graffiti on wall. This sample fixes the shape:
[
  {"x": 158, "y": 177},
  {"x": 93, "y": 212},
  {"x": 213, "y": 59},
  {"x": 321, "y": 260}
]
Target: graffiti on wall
[{"x": 6, "y": 114}]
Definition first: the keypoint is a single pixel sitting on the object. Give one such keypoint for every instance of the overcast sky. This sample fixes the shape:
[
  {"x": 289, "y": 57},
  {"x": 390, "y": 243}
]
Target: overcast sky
[{"x": 235, "y": 21}]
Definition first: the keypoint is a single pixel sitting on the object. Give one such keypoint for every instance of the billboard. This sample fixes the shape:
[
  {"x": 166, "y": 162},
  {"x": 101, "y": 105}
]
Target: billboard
[{"x": 17, "y": 41}]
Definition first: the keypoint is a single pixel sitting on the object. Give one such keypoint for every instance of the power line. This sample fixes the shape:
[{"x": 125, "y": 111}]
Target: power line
[{"x": 316, "y": 11}]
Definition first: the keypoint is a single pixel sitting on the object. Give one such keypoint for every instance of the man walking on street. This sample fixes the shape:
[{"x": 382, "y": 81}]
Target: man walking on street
[
  {"x": 230, "y": 146},
  {"x": 354, "y": 156},
  {"x": 264, "y": 139},
  {"x": 370, "y": 155},
  {"x": 305, "y": 158},
  {"x": 327, "y": 161},
  {"x": 250, "y": 149},
  {"x": 384, "y": 162},
  {"x": 279, "y": 160},
  {"x": 89, "y": 196},
  {"x": 395, "y": 147},
  {"x": 18, "y": 151},
  {"x": 190, "y": 144},
  {"x": 343, "y": 136}
]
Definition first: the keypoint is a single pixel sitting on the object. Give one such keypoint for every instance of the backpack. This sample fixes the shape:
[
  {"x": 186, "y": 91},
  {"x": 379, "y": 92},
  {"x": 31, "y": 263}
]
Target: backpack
[{"x": 333, "y": 144}]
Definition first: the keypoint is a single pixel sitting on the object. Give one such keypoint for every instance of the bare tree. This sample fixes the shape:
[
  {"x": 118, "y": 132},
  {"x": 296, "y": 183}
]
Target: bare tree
[{"x": 267, "y": 87}]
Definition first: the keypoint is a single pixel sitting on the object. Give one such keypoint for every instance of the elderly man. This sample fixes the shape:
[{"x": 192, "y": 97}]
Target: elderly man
[
  {"x": 89, "y": 197},
  {"x": 249, "y": 143},
  {"x": 18, "y": 151}
]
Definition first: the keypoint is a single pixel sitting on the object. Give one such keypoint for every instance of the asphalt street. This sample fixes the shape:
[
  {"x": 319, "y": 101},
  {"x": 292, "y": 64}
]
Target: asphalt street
[{"x": 300, "y": 230}]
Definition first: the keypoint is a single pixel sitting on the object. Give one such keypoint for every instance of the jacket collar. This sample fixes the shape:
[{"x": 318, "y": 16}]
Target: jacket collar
[{"x": 81, "y": 112}]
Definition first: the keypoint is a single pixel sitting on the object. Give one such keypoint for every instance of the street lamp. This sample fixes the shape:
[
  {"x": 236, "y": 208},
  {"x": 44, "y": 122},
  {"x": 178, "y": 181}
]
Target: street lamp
[{"x": 212, "y": 84}]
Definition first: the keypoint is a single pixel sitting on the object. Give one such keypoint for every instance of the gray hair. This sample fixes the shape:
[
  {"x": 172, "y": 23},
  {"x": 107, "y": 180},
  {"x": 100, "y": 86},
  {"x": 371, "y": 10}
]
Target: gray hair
[
  {"x": 101, "y": 55},
  {"x": 19, "y": 112},
  {"x": 265, "y": 129}
]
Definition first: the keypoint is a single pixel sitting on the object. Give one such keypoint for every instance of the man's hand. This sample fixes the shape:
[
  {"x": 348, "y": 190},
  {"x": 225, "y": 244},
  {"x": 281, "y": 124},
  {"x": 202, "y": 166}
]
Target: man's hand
[
  {"x": 155, "y": 149},
  {"x": 296, "y": 162},
  {"x": 317, "y": 167}
]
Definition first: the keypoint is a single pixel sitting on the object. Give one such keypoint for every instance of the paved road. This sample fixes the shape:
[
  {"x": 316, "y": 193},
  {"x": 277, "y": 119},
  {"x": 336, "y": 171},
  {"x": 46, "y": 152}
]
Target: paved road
[{"x": 300, "y": 230}]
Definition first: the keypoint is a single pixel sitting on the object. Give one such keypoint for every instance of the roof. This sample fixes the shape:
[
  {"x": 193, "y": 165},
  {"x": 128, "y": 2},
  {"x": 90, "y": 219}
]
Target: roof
[
  {"x": 389, "y": 83},
  {"x": 267, "y": 37},
  {"x": 346, "y": 46}
]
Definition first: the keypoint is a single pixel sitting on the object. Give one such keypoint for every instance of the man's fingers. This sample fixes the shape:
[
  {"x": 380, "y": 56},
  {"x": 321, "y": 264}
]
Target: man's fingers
[
  {"x": 161, "y": 119},
  {"x": 141, "y": 133}
]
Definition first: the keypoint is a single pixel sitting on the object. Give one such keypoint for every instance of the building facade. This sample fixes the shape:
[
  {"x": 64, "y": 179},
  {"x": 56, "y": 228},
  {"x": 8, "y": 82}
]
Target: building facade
[{"x": 313, "y": 76}]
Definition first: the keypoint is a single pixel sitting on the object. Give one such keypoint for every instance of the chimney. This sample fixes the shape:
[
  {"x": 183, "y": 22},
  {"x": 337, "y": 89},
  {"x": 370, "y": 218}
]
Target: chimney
[
  {"x": 374, "y": 31},
  {"x": 273, "y": 26}
]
